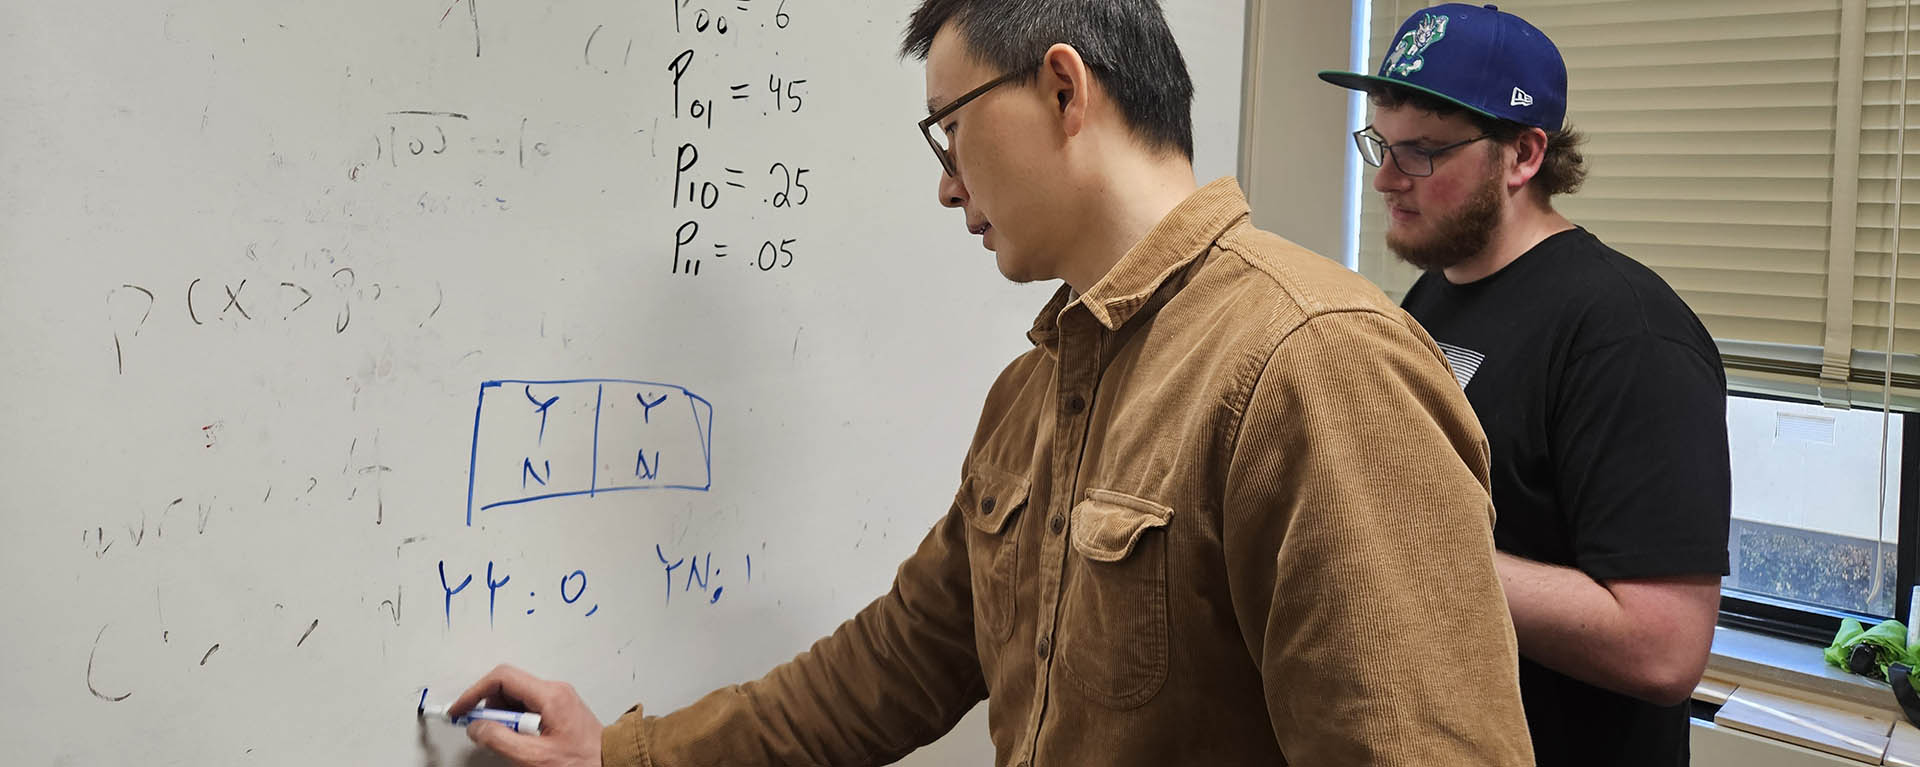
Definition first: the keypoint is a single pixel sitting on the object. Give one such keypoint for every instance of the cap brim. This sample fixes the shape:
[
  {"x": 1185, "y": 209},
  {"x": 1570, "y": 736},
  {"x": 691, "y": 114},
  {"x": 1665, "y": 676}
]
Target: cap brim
[
  {"x": 1360, "y": 82},
  {"x": 1353, "y": 80}
]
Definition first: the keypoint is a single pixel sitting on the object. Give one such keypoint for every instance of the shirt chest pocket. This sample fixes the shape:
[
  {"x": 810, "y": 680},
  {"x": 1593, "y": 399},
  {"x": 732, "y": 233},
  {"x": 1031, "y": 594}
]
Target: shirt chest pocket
[
  {"x": 990, "y": 499},
  {"x": 1113, "y": 636}
]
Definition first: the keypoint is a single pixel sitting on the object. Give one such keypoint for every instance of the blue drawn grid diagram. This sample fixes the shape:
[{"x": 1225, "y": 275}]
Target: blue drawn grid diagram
[{"x": 541, "y": 440}]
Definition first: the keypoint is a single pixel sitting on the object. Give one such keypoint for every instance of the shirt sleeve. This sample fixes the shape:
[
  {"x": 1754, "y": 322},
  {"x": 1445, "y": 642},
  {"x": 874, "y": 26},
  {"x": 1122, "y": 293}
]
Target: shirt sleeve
[
  {"x": 1639, "y": 441},
  {"x": 897, "y": 676},
  {"x": 1359, "y": 545}
]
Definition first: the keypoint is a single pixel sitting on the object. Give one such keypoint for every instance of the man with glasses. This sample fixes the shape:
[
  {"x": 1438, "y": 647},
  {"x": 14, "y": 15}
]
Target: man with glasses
[
  {"x": 1600, "y": 392},
  {"x": 1230, "y": 509}
]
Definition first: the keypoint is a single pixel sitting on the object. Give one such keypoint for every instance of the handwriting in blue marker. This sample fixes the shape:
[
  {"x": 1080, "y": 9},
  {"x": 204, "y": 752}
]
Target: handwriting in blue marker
[
  {"x": 578, "y": 593},
  {"x": 674, "y": 453},
  {"x": 541, "y": 407},
  {"x": 646, "y": 415},
  {"x": 670, "y": 568},
  {"x": 527, "y": 471},
  {"x": 451, "y": 590},
  {"x": 493, "y": 589},
  {"x": 573, "y": 586},
  {"x": 701, "y": 574}
]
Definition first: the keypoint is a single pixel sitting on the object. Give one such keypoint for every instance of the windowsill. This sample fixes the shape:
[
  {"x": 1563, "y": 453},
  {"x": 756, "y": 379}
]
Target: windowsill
[
  {"x": 1782, "y": 690},
  {"x": 1747, "y": 657}
]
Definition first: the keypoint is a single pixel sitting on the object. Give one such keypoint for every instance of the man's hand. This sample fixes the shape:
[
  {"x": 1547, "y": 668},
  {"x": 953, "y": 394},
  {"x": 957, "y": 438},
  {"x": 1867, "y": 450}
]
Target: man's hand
[{"x": 569, "y": 732}]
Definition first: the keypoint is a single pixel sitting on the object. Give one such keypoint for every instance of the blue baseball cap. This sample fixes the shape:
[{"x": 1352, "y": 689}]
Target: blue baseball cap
[{"x": 1480, "y": 57}]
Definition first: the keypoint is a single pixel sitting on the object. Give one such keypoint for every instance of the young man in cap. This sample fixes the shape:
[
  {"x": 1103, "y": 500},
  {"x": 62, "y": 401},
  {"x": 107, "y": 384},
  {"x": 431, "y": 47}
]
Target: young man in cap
[
  {"x": 1601, "y": 394},
  {"x": 1228, "y": 510}
]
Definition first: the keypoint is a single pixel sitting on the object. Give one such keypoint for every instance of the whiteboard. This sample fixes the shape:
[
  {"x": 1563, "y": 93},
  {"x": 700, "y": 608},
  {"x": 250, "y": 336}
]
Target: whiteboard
[{"x": 354, "y": 347}]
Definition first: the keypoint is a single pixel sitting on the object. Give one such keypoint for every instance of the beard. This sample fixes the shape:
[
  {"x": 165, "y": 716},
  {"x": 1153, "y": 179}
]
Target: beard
[{"x": 1458, "y": 237}]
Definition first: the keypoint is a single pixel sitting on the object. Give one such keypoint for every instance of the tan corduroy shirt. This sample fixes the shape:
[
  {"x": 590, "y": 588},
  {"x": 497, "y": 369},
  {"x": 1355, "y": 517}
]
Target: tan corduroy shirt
[{"x": 1231, "y": 509}]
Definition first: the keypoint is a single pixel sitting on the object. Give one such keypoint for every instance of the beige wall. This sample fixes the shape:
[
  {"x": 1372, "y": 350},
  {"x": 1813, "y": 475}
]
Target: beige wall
[
  {"x": 1294, "y": 137},
  {"x": 1723, "y": 747}
]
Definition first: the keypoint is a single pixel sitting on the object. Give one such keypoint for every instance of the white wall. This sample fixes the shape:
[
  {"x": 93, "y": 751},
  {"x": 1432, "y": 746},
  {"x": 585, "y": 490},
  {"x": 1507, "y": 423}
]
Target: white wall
[{"x": 1296, "y": 143}]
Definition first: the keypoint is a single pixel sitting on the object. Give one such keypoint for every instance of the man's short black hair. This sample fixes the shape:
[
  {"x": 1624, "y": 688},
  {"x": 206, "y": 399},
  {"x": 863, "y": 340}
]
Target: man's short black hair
[{"x": 1126, "y": 43}]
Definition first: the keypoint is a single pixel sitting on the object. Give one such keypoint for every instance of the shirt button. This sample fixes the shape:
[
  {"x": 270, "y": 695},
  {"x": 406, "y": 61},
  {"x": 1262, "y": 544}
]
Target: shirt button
[
  {"x": 1075, "y": 404},
  {"x": 1058, "y": 523},
  {"x": 986, "y": 505},
  {"x": 1045, "y": 648}
]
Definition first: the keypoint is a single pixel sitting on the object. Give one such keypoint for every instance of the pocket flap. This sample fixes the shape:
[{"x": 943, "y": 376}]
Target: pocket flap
[
  {"x": 1107, "y": 525},
  {"x": 989, "y": 497}
]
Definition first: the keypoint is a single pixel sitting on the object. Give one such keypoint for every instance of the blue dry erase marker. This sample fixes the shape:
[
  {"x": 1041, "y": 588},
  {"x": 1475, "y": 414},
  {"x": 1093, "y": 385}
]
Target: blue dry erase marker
[{"x": 521, "y": 722}]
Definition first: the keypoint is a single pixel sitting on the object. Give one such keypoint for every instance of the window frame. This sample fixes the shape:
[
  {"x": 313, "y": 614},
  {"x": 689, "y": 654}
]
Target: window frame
[{"x": 1818, "y": 624}]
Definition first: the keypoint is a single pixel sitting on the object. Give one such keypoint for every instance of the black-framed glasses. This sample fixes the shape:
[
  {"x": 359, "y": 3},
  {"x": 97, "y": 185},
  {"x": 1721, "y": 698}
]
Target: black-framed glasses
[
  {"x": 1411, "y": 160},
  {"x": 938, "y": 139}
]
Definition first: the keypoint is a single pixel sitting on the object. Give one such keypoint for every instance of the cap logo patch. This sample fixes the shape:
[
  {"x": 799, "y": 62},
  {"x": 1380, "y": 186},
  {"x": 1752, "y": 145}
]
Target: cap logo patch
[
  {"x": 1409, "y": 54},
  {"x": 1521, "y": 99}
]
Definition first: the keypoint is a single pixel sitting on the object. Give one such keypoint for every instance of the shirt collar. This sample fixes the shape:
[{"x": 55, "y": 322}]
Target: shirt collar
[{"x": 1186, "y": 233}]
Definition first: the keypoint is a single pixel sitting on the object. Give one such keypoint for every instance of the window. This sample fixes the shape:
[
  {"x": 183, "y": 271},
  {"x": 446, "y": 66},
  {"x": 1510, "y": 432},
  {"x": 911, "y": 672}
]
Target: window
[
  {"x": 1814, "y": 522},
  {"x": 1762, "y": 156}
]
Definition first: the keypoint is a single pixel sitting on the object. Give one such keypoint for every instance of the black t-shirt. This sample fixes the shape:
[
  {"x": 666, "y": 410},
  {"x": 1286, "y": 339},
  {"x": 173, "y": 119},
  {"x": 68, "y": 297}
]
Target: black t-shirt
[{"x": 1604, "y": 403}]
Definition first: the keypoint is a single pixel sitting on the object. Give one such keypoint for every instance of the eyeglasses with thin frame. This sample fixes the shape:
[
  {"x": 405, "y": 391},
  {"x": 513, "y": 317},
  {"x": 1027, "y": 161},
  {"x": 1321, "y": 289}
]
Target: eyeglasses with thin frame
[
  {"x": 1411, "y": 160},
  {"x": 937, "y": 137}
]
